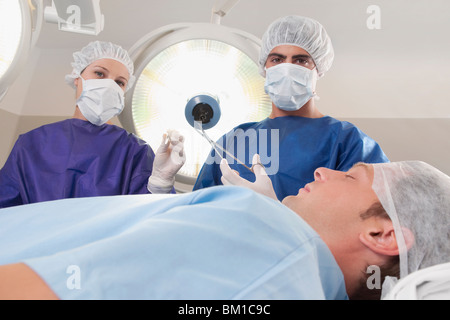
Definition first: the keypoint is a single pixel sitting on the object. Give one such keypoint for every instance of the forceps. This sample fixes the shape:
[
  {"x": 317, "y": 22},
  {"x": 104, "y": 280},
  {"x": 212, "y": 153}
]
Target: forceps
[{"x": 199, "y": 129}]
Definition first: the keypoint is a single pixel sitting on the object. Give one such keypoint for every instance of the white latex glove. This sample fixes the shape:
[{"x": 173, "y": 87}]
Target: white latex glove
[
  {"x": 262, "y": 184},
  {"x": 169, "y": 158}
]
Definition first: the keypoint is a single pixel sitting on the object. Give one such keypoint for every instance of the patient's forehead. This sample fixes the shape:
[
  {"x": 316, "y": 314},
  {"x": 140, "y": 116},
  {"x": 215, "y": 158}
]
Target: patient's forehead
[
  {"x": 364, "y": 165},
  {"x": 366, "y": 169}
]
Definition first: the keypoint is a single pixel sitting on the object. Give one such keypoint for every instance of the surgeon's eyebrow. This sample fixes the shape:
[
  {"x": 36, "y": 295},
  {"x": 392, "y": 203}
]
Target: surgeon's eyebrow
[
  {"x": 102, "y": 67},
  {"x": 277, "y": 55},
  {"x": 303, "y": 56}
]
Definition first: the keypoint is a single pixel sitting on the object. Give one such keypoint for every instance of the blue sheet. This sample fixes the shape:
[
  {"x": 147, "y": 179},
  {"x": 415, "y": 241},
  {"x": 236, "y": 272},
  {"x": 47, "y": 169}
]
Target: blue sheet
[
  {"x": 74, "y": 158},
  {"x": 304, "y": 145},
  {"x": 217, "y": 243}
]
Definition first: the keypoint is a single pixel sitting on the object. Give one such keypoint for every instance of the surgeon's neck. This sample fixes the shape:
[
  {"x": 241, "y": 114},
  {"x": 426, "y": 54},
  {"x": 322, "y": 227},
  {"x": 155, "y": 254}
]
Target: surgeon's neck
[
  {"x": 78, "y": 115},
  {"x": 309, "y": 110}
]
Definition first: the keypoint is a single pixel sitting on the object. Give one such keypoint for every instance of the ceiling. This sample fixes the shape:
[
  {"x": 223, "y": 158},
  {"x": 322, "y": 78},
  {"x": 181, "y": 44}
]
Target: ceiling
[{"x": 401, "y": 70}]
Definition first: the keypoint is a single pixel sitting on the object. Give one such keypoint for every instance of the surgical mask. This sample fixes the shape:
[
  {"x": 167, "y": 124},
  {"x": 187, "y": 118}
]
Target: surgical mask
[
  {"x": 100, "y": 100},
  {"x": 290, "y": 86}
]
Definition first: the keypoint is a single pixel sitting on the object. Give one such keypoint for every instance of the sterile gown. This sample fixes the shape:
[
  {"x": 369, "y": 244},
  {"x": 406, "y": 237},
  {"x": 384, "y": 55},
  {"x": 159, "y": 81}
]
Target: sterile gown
[
  {"x": 291, "y": 148},
  {"x": 74, "y": 158},
  {"x": 223, "y": 242}
]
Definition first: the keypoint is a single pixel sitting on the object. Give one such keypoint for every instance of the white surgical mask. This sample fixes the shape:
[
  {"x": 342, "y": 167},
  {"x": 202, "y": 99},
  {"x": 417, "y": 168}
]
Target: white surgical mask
[
  {"x": 100, "y": 100},
  {"x": 290, "y": 86}
]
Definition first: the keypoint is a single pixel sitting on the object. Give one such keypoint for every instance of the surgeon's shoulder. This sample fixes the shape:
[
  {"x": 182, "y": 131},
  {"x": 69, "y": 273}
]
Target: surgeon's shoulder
[
  {"x": 43, "y": 131},
  {"x": 345, "y": 127},
  {"x": 337, "y": 123},
  {"x": 128, "y": 137},
  {"x": 49, "y": 126},
  {"x": 141, "y": 143},
  {"x": 242, "y": 127}
]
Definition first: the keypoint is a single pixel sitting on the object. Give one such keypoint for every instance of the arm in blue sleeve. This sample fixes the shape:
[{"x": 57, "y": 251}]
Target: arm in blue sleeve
[{"x": 210, "y": 173}]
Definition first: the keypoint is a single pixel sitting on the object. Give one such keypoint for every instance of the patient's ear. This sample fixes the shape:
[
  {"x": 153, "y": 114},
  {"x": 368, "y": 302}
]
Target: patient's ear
[{"x": 380, "y": 237}]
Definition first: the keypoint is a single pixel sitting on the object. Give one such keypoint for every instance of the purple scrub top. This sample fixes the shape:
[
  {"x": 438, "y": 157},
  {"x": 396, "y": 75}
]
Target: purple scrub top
[{"x": 74, "y": 158}]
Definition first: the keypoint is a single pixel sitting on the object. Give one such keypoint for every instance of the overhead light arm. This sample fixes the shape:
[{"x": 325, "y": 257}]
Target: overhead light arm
[
  {"x": 80, "y": 16},
  {"x": 221, "y": 8}
]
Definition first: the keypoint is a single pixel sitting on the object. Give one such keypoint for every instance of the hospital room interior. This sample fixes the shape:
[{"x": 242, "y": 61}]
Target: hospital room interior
[{"x": 390, "y": 75}]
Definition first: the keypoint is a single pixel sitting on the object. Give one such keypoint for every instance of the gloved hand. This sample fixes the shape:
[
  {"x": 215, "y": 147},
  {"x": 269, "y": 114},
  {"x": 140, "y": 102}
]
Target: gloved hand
[
  {"x": 169, "y": 158},
  {"x": 262, "y": 184}
]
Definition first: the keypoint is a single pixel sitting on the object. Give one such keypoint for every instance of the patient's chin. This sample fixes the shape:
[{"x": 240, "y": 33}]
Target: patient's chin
[{"x": 289, "y": 202}]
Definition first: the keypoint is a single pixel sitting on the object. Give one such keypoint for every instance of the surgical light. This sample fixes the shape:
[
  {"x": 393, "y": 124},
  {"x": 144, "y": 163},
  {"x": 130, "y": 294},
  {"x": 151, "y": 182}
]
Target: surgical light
[
  {"x": 182, "y": 61},
  {"x": 16, "y": 37},
  {"x": 203, "y": 109},
  {"x": 203, "y": 112},
  {"x": 11, "y": 30}
]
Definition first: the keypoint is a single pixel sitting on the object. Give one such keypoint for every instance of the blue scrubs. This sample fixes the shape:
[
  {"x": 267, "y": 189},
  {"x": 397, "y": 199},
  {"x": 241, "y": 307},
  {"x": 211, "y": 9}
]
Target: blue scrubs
[
  {"x": 74, "y": 158},
  {"x": 218, "y": 243},
  {"x": 291, "y": 148}
]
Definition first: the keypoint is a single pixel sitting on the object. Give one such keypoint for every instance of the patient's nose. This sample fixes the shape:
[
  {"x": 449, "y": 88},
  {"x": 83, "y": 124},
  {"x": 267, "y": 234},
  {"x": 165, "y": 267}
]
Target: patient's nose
[
  {"x": 323, "y": 174},
  {"x": 319, "y": 174}
]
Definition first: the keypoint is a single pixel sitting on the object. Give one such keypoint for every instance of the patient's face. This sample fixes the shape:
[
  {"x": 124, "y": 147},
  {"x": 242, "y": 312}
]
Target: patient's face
[{"x": 332, "y": 204}]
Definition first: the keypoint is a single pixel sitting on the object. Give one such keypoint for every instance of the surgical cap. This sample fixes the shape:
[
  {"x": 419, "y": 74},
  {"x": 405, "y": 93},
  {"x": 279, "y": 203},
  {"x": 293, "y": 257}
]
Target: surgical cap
[
  {"x": 416, "y": 196},
  {"x": 302, "y": 32},
  {"x": 97, "y": 50}
]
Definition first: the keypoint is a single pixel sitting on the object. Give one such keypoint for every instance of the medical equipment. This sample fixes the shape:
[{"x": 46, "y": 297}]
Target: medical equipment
[
  {"x": 80, "y": 16},
  {"x": 20, "y": 25},
  {"x": 203, "y": 108},
  {"x": 203, "y": 112},
  {"x": 178, "y": 61}
]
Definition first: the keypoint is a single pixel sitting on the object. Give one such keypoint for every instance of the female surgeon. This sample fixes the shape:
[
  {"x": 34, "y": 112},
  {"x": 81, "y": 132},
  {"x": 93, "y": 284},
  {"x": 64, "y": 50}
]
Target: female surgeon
[
  {"x": 86, "y": 155},
  {"x": 295, "y": 52}
]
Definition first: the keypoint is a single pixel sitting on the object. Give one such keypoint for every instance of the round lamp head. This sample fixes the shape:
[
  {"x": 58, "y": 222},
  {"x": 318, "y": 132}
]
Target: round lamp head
[{"x": 203, "y": 109}]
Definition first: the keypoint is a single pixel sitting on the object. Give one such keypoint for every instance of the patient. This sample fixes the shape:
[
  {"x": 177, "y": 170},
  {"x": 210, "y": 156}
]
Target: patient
[{"x": 230, "y": 242}]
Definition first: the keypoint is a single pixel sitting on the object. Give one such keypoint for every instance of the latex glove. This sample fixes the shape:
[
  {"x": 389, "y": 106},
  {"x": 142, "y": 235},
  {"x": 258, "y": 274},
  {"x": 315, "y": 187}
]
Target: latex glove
[
  {"x": 169, "y": 158},
  {"x": 262, "y": 184}
]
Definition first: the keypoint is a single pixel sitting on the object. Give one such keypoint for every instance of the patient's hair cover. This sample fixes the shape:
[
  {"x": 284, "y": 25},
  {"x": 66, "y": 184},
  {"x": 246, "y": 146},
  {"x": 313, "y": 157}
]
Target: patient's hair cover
[{"x": 416, "y": 197}]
